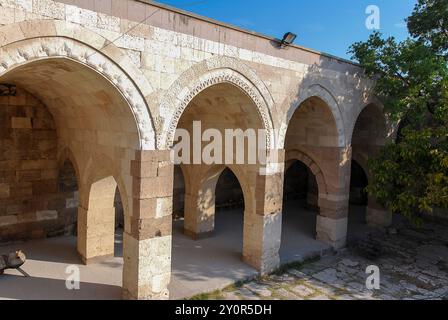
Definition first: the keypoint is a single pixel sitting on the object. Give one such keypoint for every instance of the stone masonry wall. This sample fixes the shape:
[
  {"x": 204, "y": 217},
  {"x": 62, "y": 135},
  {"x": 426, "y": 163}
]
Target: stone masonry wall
[
  {"x": 169, "y": 43},
  {"x": 36, "y": 198}
]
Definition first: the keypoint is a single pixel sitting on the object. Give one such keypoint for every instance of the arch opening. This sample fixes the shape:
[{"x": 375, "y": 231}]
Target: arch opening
[
  {"x": 312, "y": 126},
  {"x": 312, "y": 144},
  {"x": 100, "y": 224},
  {"x": 215, "y": 194},
  {"x": 300, "y": 209},
  {"x": 369, "y": 135},
  {"x": 58, "y": 126}
]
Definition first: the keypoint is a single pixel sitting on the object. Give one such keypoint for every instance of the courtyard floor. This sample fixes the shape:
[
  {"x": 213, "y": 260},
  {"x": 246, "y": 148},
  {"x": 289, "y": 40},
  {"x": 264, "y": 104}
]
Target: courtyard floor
[
  {"x": 197, "y": 266},
  {"x": 413, "y": 265}
]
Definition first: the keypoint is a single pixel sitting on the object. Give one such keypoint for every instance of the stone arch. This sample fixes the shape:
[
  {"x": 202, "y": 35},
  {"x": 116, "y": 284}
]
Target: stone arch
[
  {"x": 214, "y": 173},
  {"x": 29, "y": 41},
  {"x": 362, "y": 160},
  {"x": 96, "y": 222},
  {"x": 201, "y": 197},
  {"x": 318, "y": 91},
  {"x": 376, "y": 106},
  {"x": 67, "y": 154},
  {"x": 94, "y": 171},
  {"x": 312, "y": 165},
  {"x": 203, "y": 75}
]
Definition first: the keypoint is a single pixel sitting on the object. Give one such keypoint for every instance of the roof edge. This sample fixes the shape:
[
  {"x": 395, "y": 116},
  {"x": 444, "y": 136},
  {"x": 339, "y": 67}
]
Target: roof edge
[{"x": 233, "y": 27}]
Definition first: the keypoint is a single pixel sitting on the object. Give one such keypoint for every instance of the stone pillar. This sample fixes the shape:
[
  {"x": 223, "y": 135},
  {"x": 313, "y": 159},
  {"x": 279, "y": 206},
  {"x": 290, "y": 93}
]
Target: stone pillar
[
  {"x": 96, "y": 223},
  {"x": 376, "y": 215},
  {"x": 331, "y": 224},
  {"x": 148, "y": 230},
  {"x": 199, "y": 211},
  {"x": 263, "y": 219}
]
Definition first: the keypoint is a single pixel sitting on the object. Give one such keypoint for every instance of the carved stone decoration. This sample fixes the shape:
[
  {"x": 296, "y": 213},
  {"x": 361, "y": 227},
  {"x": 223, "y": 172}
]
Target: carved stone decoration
[
  {"x": 192, "y": 82},
  {"x": 57, "y": 47},
  {"x": 7, "y": 90}
]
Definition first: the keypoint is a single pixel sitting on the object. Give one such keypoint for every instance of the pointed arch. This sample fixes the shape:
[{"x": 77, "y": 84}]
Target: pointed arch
[
  {"x": 36, "y": 40},
  {"x": 201, "y": 76},
  {"x": 322, "y": 93}
]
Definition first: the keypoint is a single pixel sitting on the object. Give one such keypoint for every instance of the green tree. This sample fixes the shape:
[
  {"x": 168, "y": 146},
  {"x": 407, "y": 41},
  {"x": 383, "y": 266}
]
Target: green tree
[{"x": 410, "y": 176}]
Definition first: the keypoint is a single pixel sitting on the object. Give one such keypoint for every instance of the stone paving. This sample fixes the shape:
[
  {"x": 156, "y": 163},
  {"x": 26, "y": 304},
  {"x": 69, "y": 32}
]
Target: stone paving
[{"x": 413, "y": 265}]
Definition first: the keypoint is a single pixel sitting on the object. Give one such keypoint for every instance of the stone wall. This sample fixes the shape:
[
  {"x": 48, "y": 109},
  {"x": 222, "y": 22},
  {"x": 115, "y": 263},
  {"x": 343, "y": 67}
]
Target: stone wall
[
  {"x": 36, "y": 198},
  {"x": 171, "y": 48}
]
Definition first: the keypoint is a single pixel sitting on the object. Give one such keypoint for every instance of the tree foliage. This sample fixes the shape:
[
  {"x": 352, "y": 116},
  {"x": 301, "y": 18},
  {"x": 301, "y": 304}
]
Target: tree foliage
[{"x": 410, "y": 176}]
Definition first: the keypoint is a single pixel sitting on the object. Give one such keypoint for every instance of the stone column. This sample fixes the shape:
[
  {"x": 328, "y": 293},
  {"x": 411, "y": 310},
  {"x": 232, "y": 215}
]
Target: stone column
[
  {"x": 263, "y": 219},
  {"x": 376, "y": 215},
  {"x": 199, "y": 211},
  {"x": 148, "y": 231},
  {"x": 96, "y": 222},
  {"x": 331, "y": 226}
]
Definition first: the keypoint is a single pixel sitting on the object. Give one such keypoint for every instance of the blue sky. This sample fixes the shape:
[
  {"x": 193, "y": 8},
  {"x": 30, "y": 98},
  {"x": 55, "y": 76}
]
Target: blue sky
[{"x": 325, "y": 25}]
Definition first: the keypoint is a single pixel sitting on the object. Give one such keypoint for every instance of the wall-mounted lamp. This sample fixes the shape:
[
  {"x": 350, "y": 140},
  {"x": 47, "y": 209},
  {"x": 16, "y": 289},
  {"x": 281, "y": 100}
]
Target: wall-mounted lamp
[{"x": 288, "y": 39}]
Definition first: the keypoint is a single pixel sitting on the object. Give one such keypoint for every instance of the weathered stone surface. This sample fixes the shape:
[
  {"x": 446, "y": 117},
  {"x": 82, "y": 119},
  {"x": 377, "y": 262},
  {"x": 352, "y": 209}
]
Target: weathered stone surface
[
  {"x": 112, "y": 90},
  {"x": 261, "y": 290},
  {"x": 302, "y": 290},
  {"x": 343, "y": 276}
]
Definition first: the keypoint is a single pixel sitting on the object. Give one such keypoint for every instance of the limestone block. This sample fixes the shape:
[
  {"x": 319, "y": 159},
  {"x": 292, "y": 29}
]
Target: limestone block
[
  {"x": 46, "y": 215},
  {"x": 131, "y": 42},
  {"x": 332, "y": 231},
  {"x": 108, "y": 22},
  {"x": 261, "y": 243},
  {"x": 144, "y": 169},
  {"x": 81, "y": 16},
  {"x": 164, "y": 207},
  {"x": 26, "y": 217},
  {"x": 21, "y": 123},
  {"x": 333, "y": 206},
  {"x": 147, "y": 268},
  {"x": 158, "y": 187},
  {"x": 153, "y": 155},
  {"x": 17, "y": 4},
  {"x": 8, "y": 220},
  {"x": 144, "y": 208},
  {"x": 147, "y": 228},
  {"x": 96, "y": 232},
  {"x": 6, "y": 15},
  {"x": 135, "y": 57},
  {"x": 165, "y": 169},
  {"x": 166, "y": 80},
  {"x": 38, "y": 164},
  {"x": 49, "y": 8},
  {"x": 4, "y": 190}
]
